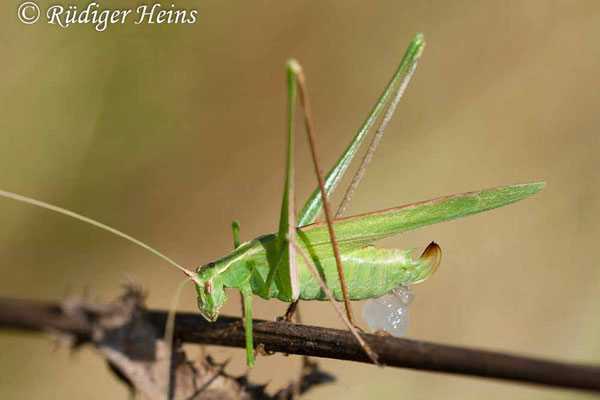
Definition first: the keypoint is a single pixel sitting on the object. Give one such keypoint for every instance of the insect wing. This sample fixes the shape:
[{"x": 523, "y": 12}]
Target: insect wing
[{"x": 360, "y": 230}]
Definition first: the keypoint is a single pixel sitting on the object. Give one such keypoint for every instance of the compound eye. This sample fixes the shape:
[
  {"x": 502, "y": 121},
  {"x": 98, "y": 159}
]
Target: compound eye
[{"x": 205, "y": 266}]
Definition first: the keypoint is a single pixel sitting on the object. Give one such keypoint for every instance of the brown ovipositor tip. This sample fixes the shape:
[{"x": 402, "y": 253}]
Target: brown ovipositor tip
[{"x": 432, "y": 256}]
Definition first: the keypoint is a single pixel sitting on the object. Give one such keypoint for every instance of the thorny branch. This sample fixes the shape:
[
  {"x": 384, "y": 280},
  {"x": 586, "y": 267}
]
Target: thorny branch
[
  {"x": 130, "y": 339},
  {"x": 117, "y": 331}
]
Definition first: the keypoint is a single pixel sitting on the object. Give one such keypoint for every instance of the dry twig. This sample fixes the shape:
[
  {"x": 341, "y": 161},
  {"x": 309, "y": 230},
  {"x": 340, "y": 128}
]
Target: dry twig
[
  {"x": 132, "y": 344},
  {"x": 124, "y": 331}
]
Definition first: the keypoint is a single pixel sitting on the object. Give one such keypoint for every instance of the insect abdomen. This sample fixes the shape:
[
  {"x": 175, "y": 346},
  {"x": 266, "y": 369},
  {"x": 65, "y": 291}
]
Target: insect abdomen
[{"x": 369, "y": 273}]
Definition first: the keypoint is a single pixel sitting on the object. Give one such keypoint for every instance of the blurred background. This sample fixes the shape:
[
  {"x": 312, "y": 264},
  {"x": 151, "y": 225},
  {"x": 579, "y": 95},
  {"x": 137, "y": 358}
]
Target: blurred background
[{"x": 169, "y": 132}]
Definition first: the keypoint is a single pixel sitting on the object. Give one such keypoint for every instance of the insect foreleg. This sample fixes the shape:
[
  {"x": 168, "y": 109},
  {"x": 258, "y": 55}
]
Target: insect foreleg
[
  {"x": 247, "y": 295},
  {"x": 235, "y": 227},
  {"x": 274, "y": 268}
]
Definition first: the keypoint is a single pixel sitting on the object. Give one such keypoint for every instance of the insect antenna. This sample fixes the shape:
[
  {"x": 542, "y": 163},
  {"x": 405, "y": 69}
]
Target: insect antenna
[
  {"x": 169, "y": 334},
  {"x": 51, "y": 207},
  {"x": 170, "y": 324}
]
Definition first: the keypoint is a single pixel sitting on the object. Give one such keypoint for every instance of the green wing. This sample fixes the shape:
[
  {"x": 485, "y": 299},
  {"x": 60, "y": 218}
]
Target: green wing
[{"x": 360, "y": 230}]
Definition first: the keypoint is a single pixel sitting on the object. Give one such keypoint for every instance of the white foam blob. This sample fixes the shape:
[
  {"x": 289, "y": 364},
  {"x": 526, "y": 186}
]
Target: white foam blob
[{"x": 390, "y": 311}]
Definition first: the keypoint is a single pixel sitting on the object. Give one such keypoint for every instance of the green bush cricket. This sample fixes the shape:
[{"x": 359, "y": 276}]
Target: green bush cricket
[{"x": 305, "y": 260}]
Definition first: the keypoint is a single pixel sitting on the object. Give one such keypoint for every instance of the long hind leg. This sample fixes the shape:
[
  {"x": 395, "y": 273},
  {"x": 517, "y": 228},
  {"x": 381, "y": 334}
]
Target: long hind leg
[
  {"x": 399, "y": 82},
  {"x": 318, "y": 170},
  {"x": 348, "y": 319}
]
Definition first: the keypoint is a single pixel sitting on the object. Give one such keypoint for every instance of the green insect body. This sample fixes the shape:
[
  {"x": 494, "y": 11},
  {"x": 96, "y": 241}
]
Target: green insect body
[
  {"x": 370, "y": 272},
  {"x": 271, "y": 267}
]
